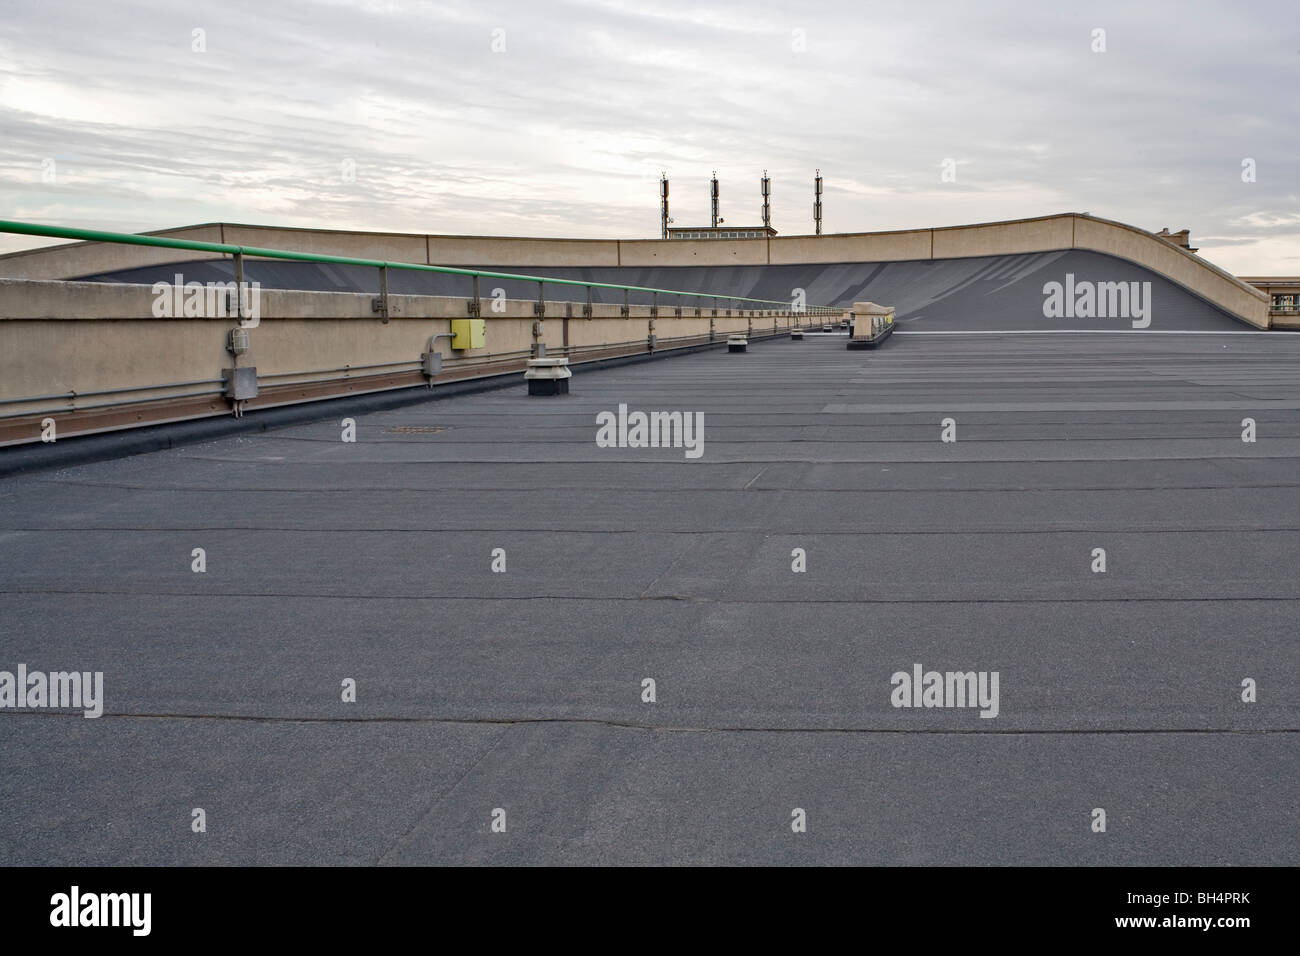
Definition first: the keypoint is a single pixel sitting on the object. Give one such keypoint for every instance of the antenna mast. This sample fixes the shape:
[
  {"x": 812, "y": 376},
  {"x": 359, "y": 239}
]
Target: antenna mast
[
  {"x": 817, "y": 201},
  {"x": 663, "y": 203},
  {"x": 767, "y": 206}
]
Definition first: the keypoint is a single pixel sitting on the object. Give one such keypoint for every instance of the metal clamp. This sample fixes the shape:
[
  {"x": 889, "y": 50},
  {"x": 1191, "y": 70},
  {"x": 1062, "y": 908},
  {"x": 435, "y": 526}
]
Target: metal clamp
[
  {"x": 380, "y": 304},
  {"x": 475, "y": 305},
  {"x": 239, "y": 287}
]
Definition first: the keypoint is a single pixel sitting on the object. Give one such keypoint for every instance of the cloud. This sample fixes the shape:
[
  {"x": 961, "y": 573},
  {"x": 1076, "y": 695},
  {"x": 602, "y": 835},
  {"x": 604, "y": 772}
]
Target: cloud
[
  {"x": 1268, "y": 220},
  {"x": 566, "y": 129}
]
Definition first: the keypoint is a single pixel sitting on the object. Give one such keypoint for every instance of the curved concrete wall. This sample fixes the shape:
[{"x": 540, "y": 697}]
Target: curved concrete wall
[
  {"x": 1175, "y": 263},
  {"x": 971, "y": 293},
  {"x": 71, "y": 260},
  {"x": 1043, "y": 234}
]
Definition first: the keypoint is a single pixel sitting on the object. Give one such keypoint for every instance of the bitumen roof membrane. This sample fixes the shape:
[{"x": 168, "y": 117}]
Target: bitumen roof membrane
[
  {"x": 982, "y": 292},
  {"x": 524, "y": 690}
]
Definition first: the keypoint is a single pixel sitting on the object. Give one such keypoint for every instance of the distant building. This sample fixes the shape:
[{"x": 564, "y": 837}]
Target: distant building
[
  {"x": 721, "y": 232},
  {"x": 1283, "y": 293}
]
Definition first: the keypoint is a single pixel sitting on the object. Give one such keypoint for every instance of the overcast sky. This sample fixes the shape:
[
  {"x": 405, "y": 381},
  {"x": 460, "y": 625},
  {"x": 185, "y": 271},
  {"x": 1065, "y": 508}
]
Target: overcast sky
[{"x": 401, "y": 116}]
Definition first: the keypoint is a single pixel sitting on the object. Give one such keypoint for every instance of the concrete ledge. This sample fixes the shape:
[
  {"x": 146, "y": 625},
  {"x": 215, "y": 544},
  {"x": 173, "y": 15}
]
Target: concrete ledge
[
  {"x": 83, "y": 449},
  {"x": 1037, "y": 234}
]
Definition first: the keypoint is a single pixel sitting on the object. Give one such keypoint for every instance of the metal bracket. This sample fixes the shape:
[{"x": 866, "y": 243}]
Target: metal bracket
[
  {"x": 239, "y": 287},
  {"x": 587, "y": 310},
  {"x": 651, "y": 338},
  {"x": 380, "y": 304},
  {"x": 475, "y": 305},
  {"x": 627, "y": 304},
  {"x": 239, "y": 385},
  {"x": 539, "y": 307}
]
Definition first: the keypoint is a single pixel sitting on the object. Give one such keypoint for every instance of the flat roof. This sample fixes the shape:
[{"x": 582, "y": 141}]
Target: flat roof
[{"x": 371, "y": 561}]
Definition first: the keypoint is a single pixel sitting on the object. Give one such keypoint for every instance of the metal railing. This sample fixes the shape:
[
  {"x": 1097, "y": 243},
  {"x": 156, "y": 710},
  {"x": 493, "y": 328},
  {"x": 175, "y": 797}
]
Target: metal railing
[
  {"x": 238, "y": 252},
  {"x": 702, "y": 304}
]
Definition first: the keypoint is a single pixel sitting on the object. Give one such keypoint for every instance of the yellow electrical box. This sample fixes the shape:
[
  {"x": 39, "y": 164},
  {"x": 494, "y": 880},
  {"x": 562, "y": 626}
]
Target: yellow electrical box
[{"x": 468, "y": 333}]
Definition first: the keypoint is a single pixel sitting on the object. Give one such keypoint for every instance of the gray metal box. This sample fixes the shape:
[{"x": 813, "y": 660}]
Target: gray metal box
[{"x": 241, "y": 383}]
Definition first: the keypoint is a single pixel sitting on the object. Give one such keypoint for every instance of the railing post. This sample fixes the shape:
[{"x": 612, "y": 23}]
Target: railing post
[
  {"x": 539, "y": 310},
  {"x": 239, "y": 287},
  {"x": 654, "y": 314},
  {"x": 475, "y": 305},
  {"x": 380, "y": 304}
]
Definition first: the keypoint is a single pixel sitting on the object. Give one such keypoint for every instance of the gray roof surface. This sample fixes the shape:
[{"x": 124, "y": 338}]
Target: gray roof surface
[
  {"x": 521, "y": 690},
  {"x": 989, "y": 292}
]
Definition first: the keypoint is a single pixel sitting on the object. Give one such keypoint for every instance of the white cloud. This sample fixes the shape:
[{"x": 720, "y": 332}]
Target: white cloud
[
  {"x": 566, "y": 132},
  {"x": 1268, "y": 220}
]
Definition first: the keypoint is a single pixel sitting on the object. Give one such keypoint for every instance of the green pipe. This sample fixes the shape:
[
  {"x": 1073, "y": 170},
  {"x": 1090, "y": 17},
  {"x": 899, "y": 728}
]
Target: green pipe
[{"x": 127, "y": 238}]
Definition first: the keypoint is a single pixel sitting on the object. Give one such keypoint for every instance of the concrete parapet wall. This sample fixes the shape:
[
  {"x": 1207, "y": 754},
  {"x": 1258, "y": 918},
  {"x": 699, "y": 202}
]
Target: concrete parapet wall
[
  {"x": 1003, "y": 238},
  {"x": 64, "y": 345},
  {"x": 1043, "y": 234},
  {"x": 1164, "y": 258},
  {"x": 853, "y": 247},
  {"x": 693, "y": 252},
  {"x": 481, "y": 250},
  {"x": 391, "y": 247},
  {"x": 75, "y": 259}
]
